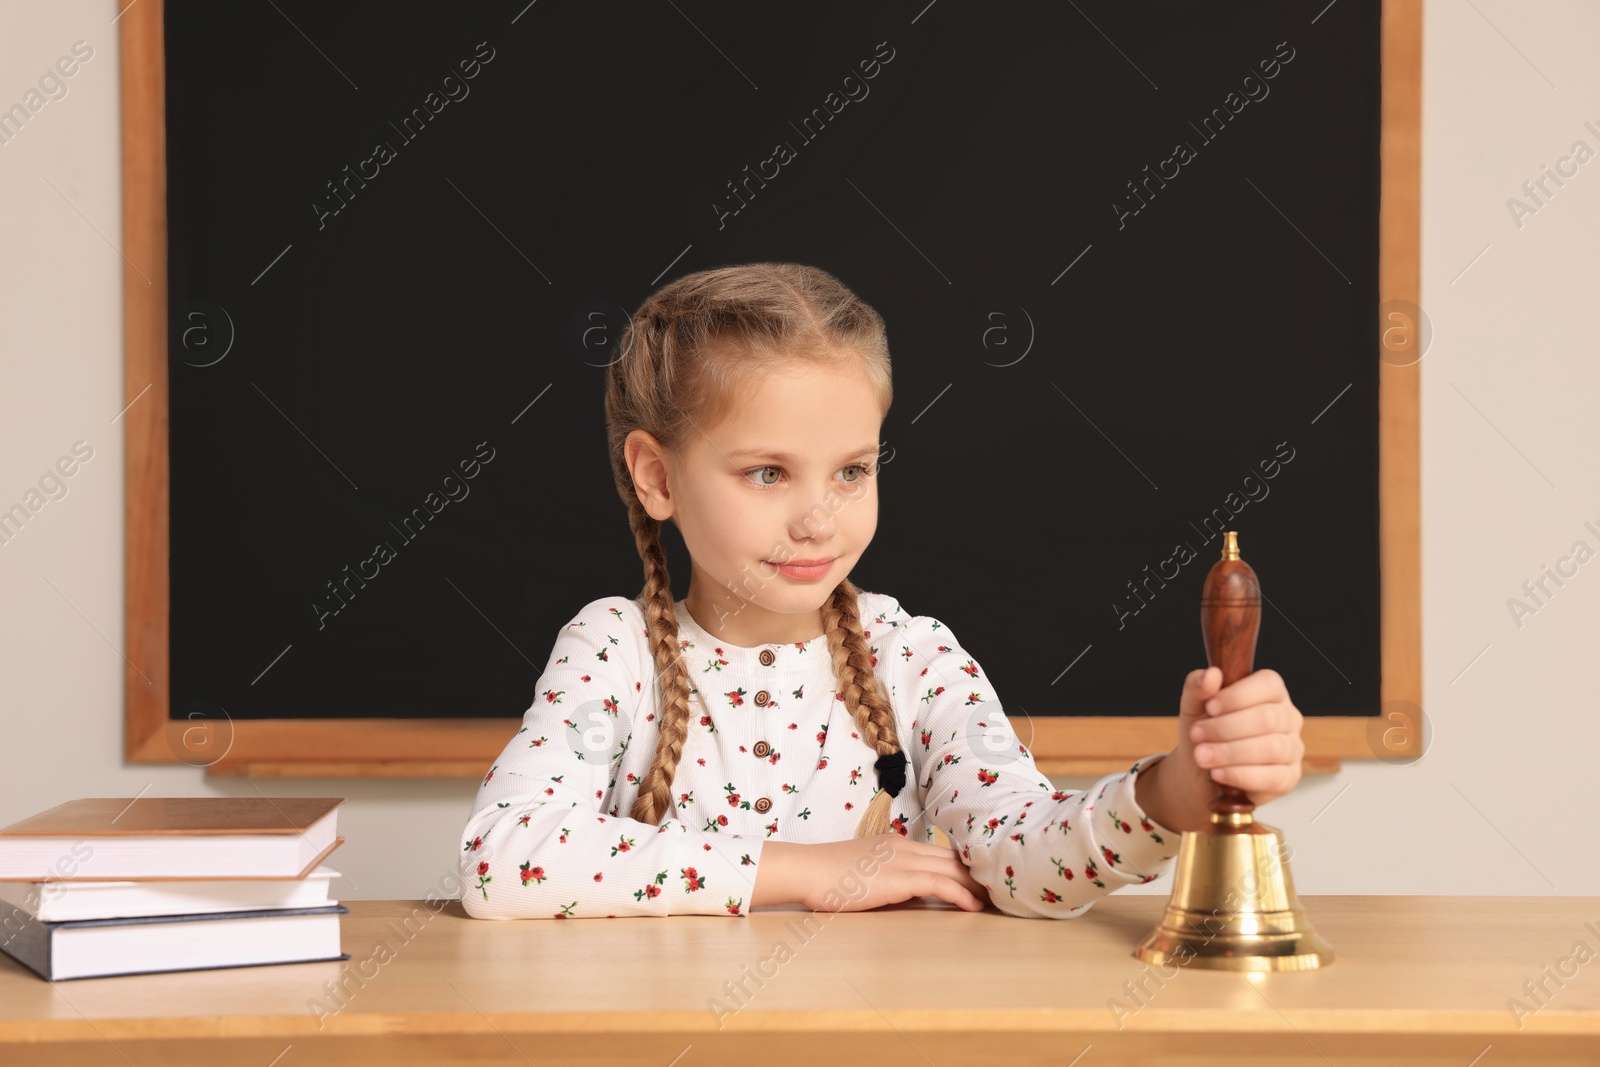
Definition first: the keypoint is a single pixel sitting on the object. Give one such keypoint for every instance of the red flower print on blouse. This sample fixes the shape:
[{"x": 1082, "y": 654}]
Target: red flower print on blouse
[
  {"x": 531, "y": 873},
  {"x": 653, "y": 889},
  {"x": 735, "y": 698},
  {"x": 1091, "y": 872},
  {"x": 484, "y": 878}
]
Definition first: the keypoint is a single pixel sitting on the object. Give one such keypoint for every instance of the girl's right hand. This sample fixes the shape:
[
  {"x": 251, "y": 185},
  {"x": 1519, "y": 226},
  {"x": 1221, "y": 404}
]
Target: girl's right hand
[{"x": 869, "y": 872}]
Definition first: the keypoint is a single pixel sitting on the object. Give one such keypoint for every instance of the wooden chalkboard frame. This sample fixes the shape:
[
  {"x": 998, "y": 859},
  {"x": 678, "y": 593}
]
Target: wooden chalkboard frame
[{"x": 1075, "y": 745}]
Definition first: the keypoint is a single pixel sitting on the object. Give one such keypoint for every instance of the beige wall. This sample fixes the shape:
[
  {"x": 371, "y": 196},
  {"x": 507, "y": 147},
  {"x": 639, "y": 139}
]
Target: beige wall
[{"x": 1500, "y": 804}]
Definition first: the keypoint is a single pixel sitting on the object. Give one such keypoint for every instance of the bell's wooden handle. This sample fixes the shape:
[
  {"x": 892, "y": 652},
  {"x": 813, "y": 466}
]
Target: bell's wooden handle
[{"x": 1230, "y": 619}]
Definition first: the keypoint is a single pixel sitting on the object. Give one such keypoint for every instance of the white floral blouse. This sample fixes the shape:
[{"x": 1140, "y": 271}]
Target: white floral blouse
[{"x": 773, "y": 755}]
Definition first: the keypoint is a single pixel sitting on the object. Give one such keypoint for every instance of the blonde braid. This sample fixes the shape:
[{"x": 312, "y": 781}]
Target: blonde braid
[
  {"x": 864, "y": 699},
  {"x": 654, "y": 801}
]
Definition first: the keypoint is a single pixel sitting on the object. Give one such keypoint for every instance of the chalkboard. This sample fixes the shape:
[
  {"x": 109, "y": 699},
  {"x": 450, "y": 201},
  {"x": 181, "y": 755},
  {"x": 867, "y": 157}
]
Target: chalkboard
[{"x": 1128, "y": 255}]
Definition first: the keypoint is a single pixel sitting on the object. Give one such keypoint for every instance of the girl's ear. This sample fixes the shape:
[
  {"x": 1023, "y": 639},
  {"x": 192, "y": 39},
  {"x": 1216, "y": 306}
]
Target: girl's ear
[{"x": 647, "y": 463}]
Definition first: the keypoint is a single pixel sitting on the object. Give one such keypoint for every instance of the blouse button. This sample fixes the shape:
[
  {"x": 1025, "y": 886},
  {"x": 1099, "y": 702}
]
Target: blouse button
[
  {"x": 763, "y": 805},
  {"x": 767, "y": 657},
  {"x": 762, "y": 749},
  {"x": 761, "y": 698}
]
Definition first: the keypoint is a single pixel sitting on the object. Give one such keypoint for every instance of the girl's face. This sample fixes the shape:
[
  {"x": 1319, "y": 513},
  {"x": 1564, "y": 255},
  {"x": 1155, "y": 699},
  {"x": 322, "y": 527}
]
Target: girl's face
[{"x": 787, "y": 477}]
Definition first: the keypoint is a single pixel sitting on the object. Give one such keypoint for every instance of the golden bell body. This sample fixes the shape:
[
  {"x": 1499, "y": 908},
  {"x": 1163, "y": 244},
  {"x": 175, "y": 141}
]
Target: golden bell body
[{"x": 1233, "y": 905}]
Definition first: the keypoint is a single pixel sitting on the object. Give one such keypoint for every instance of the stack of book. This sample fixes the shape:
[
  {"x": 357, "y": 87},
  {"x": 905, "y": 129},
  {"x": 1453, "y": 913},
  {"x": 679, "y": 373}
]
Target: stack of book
[{"x": 99, "y": 886}]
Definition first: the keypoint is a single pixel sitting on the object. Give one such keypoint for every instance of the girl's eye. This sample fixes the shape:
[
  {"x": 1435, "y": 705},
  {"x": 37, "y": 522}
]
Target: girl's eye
[
  {"x": 860, "y": 469},
  {"x": 760, "y": 471}
]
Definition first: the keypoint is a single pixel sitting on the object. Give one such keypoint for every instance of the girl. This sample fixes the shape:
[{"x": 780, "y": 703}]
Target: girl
[{"x": 778, "y": 735}]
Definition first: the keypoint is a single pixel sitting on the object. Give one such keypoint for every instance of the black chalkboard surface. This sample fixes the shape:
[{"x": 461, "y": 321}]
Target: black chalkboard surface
[{"x": 1127, "y": 254}]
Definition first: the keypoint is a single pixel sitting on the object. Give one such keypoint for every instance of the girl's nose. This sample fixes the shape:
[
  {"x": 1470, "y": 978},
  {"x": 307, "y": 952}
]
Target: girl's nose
[{"x": 815, "y": 522}]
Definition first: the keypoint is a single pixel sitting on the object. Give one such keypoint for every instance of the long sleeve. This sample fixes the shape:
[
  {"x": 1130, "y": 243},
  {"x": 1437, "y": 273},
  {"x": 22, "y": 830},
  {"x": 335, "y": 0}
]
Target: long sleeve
[
  {"x": 1040, "y": 851},
  {"x": 541, "y": 843}
]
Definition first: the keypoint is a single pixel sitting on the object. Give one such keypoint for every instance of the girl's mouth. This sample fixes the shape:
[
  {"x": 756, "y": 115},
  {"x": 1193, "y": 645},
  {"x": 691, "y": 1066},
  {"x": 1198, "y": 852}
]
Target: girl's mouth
[{"x": 803, "y": 570}]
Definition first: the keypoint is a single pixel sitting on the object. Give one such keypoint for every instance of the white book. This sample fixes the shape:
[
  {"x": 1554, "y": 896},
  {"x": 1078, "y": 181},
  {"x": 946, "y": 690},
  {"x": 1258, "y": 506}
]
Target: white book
[
  {"x": 66, "y": 900},
  {"x": 94, "y": 948}
]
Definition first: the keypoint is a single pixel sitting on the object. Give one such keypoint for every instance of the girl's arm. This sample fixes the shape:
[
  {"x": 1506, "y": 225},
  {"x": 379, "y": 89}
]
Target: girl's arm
[
  {"x": 540, "y": 842},
  {"x": 778, "y": 881},
  {"x": 1040, "y": 851}
]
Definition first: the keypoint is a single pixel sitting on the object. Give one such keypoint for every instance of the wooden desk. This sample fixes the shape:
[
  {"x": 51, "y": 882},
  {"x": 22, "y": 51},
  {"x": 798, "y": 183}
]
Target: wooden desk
[{"x": 1418, "y": 980}]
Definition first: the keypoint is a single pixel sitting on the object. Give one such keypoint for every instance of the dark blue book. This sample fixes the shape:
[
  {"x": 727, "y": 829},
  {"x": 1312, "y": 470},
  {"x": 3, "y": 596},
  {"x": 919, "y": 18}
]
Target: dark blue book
[{"x": 149, "y": 944}]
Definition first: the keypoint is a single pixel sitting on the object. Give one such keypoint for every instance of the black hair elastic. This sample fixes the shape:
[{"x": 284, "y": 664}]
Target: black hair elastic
[{"x": 892, "y": 772}]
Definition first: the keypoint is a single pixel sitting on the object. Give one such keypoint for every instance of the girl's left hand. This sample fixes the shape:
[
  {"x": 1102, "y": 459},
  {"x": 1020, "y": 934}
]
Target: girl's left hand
[{"x": 1246, "y": 736}]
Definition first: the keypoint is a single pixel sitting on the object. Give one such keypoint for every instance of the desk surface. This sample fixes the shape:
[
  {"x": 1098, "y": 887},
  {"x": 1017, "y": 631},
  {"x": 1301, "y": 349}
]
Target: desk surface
[{"x": 1416, "y": 980}]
